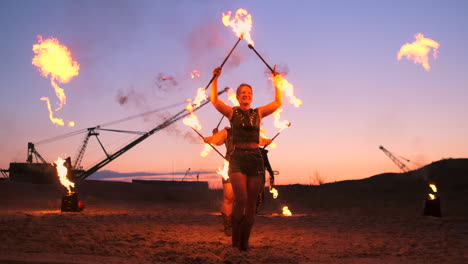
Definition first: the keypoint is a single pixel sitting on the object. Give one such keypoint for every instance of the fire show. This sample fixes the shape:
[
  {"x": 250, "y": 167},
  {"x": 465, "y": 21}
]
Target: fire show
[{"x": 247, "y": 132}]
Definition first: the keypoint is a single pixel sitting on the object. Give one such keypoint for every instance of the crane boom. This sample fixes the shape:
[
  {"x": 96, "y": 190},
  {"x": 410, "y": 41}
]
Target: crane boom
[
  {"x": 124, "y": 149},
  {"x": 400, "y": 164}
]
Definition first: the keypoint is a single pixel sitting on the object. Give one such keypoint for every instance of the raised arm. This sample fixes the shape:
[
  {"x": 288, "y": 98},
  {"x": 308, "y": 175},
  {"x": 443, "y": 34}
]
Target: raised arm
[
  {"x": 273, "y": 106},
  {"x": 218, "y": 138},
  {"x": 222, "y": 107}
]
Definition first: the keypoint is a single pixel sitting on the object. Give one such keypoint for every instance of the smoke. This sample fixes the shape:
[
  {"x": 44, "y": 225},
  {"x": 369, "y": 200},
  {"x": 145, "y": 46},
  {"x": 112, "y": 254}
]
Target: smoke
[
  {"x": 418, "y": 50},
  {"x": 165, "y": 82},
  {"x": 205, "y": 44},
  {"x": 131, "y": 96}
]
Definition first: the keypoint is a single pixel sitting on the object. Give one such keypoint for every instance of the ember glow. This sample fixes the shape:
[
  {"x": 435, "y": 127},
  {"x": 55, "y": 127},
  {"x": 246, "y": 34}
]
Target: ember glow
[
  {"x": 286, "y": 211},
  {"x": 54, "y": 60},
  {"x": 287, "y": 88},
  {"x": 241, "y": 24},
  {"x": 62, "y": 174},
  {"x": 224, "y": 170},
  {"x": 195, "y": 74},
  {"x": 418, "y": 51},
  {"x": 274, "y": 192},
  {"x": 432, "y": 196}
]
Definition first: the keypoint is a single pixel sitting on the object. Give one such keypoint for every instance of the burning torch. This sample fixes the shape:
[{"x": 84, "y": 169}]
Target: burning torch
[{"x": 432, "y": 205}]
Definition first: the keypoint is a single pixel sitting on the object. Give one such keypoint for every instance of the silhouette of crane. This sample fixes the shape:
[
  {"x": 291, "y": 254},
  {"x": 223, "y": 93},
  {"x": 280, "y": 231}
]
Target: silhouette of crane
[{"x": 399, "y": 163}]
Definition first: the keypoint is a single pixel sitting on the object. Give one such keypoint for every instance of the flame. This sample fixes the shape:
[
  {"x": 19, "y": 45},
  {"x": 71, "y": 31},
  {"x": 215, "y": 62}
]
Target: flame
[
  {"x": 192, "y": 120},
  {"x": 55, "y": 60},
  {"x": 286, "y": 211},
  {"x": 232, "y": 97},
  {"x": 281, "y": 125},
  {"x": 71, "y": 124},
  {"x": 274, "y": 192},
  {"x": 284, "y": 85},
  {"x": 54, "y": 120},
  {"x": 241, "y": 24},
  {"x": 195, "y": 74},
  {"x": 224, "y": 170},
  {"x": 432, "y": 196},
  {"x": 433, "y": 187},
  {"x": 263, "y": 135},
  {"x": 206, "y": 150},
  {"x": 418, "y": 50},
  {"x": 62, "y": 174}
]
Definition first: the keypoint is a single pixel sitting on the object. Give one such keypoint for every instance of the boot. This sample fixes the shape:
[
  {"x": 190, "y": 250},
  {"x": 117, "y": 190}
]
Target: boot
[
  {"x": 236, "y": 231},
  {"x": 227, "y": 223},
  {"x": 246, "y": 228},
  {"x": 260, "y": 198}
]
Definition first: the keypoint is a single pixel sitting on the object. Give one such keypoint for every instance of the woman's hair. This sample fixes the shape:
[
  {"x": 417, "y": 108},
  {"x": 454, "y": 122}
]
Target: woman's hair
[{"x": 243, "y": 84}]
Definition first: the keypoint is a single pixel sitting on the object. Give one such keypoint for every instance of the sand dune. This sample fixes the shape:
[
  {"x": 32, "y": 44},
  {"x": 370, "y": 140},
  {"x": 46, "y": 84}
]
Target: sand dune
[{"x": 377, "y": 220}]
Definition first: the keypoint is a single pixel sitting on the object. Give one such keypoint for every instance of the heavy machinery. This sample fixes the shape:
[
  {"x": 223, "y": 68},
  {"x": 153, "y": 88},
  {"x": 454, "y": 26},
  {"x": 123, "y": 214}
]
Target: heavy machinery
[
  {"x": 398, "y": 162},
  {"x": 44, "y": 172}
]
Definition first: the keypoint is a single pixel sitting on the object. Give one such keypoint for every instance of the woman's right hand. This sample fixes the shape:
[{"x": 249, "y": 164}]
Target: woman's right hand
[{"x": 217, "y": 72}]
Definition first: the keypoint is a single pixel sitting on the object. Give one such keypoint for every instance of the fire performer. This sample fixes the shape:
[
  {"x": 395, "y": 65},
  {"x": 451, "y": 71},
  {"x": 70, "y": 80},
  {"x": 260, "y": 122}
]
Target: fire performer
[
  {"x": 246, "y": 167},
  {"x": 225, "y": 137}
]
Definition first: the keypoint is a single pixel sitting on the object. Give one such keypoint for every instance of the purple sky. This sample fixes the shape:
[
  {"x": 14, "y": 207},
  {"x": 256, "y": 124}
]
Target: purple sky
[{"x": 341, "y": 57}]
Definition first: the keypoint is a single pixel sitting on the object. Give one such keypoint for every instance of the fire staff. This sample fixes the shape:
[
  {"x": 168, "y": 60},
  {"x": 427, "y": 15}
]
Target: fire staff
[{"x": 246, "y": 167}]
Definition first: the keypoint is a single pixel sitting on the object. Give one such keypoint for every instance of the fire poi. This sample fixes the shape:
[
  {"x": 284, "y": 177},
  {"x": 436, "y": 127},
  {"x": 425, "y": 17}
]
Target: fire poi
[{"x": 54, "y": 59}]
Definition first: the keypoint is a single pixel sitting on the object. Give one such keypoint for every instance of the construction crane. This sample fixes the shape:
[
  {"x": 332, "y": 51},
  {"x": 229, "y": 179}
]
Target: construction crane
[{"x": 399, "y": 163}]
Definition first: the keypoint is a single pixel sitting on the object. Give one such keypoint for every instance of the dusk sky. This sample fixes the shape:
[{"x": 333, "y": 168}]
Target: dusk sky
[{"x": 341, "y": 57}]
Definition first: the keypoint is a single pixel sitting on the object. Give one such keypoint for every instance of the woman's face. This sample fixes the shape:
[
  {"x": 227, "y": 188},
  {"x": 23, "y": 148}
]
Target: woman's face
[{"x": 244, "y": 95}]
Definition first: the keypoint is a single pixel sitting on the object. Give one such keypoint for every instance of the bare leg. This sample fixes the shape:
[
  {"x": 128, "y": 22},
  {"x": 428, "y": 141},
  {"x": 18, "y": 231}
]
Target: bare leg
[
  {"x": 254, "y": 185},
  {"x": 228, "y": 199},
  {"x": 226, "y": 208},
  {"x": 239, "y": 186}
]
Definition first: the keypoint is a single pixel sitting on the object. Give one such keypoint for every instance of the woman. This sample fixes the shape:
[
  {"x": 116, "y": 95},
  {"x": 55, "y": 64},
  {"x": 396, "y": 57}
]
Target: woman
[
  {"x": 225, "y": 137},
  {"x": 246, "y": 168}
]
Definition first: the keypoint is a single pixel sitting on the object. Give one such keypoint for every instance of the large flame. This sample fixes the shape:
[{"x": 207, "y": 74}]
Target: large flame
[
  {"x": 224, "y": 170},
  {"x": 54, "y": 60},
  {"x": 288, "y": 89},
  {"x": 418, "y": 50},
  {"x": 241, "y": 24},
  {"x": 286, "y": 211},
  {"x": 62, "y": 174}
]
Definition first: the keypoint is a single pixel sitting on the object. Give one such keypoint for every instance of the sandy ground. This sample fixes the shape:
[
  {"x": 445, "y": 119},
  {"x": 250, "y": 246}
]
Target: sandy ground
[{"x": 33, "y": 230}]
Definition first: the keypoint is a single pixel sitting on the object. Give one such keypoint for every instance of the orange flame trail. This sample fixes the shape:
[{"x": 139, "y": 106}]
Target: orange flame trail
[
  {"x": 418, "y": 50},
  {"x": 288, "y": 89},
  {"x": 55, "y": 60},
  {"x": 62, "y": 174},
  {"x": 192, "y": 120},
  {"x": 241, "y": 24}
]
